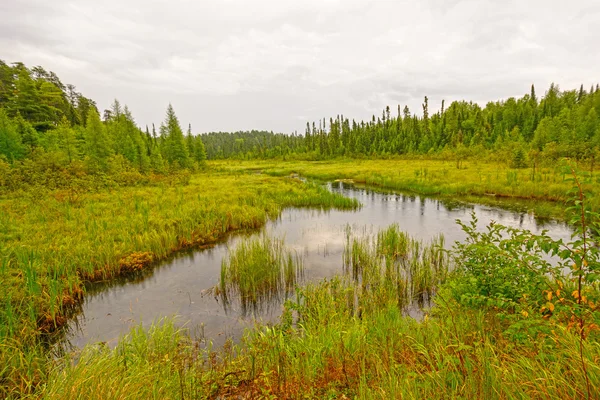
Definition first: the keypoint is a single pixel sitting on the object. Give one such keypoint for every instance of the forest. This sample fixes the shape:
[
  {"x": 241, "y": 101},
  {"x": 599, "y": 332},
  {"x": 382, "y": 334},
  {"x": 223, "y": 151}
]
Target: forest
[
  {"x": 90, "y": 201},
  {"x": 43, "y": 119}
]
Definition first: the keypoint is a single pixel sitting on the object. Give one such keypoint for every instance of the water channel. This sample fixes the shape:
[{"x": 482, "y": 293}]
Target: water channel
[{"x": 182, "y": 286}]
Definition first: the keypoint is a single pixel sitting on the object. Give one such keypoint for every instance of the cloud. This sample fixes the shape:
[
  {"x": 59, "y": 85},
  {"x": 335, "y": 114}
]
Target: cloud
[{"x": 267, "y": 64}]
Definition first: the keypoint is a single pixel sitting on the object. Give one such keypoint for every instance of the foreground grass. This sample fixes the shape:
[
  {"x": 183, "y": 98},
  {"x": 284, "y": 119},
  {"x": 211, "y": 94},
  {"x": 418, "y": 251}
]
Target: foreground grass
[
  {"x": 543, "y": 193},
  {"x": 52, "y": 242},
  {"x": 347, "y": 337}
]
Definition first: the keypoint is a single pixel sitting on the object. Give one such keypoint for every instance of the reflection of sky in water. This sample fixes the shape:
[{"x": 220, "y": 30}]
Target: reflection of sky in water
[{"x": 182, "y": 286}]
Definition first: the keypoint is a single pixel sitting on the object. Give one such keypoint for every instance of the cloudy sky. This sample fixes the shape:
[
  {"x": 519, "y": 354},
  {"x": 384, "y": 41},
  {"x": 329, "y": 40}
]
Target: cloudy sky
[{"x": 274, "y": 64}]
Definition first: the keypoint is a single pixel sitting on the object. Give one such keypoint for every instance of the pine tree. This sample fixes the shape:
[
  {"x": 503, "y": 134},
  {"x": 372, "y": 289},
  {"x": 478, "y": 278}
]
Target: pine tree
[
  {"x": 29, "y": 136},
  {"x": 175, "y": 150},
  {"x": 97, "y": 146},
  {"x": 11, "y": 146}
]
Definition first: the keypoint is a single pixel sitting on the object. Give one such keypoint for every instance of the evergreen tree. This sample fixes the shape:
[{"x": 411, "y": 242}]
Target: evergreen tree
[
  {"x": 29, "y": 136},
  {"x": 97, "y": 147},
  {"x": 11, "y": 146},
  {"x": 200, "y": 151},
  {"x": 175, "y": 151}
]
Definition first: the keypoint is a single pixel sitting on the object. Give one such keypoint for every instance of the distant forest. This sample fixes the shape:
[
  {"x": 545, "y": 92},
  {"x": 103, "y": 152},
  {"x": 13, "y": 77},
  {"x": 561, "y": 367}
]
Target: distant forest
[{"x": 52, "y": 125}]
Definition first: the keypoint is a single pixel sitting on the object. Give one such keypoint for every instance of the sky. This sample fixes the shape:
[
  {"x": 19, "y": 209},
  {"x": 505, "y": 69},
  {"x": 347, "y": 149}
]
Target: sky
[{"x": 229, "y": 65}]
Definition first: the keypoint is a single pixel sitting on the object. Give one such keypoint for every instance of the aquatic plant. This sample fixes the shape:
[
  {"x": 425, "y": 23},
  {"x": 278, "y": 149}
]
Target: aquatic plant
[
  {"x": 542, "y": 191},
  {"x": 258, "y": 271},
  {"x": 394, "y": 261}
]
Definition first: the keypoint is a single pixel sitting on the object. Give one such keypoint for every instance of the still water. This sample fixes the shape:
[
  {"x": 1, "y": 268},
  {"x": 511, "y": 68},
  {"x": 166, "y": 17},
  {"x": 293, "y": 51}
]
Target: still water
[{"x": 182, "y": 286}]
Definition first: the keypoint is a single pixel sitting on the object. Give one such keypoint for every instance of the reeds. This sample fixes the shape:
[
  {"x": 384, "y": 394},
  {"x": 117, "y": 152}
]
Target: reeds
[
  {"x": 351, "y": 339},
  {"x": 394, "y": 262},
  {"x": 257, "y": 272}
]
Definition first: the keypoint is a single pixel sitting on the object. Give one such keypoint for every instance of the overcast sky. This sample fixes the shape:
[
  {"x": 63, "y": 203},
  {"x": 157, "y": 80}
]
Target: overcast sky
[{"x": 274, "y": 64}]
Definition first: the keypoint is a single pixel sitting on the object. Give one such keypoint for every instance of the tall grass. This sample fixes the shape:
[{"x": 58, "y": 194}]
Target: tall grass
[
  {"x": 51, "y": 244},
  {"x": 394, "y": 262},
  {"x": 257, "y": 272},
  {"x": 344, "y": 338}
]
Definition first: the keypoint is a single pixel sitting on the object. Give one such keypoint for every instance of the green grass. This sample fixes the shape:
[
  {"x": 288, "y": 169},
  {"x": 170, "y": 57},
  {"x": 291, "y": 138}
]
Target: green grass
[
  {"x": 343, "y": 338},
  {"x": 489, "y": 183},
  {"x": 394, "y": 262},
  {"x": 52, "y": 242},
  {"x": 257, "y": 272},
  {"x": 348, "y": 336}
]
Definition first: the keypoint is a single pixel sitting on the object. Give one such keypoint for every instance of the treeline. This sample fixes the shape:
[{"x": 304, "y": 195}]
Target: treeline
[
  {"x": 46, "y": 126},
  {"x": 522, "y": 131},
  {"x": 251, "y": 144},
  {"x": 50, "y": 123},
  {"x": 561, "y": 124}
]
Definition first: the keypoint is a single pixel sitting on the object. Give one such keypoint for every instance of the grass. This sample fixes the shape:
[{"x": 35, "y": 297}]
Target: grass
[
  {"x": 52, "y": 243},
  {"x": 543, "y": 193},
  {"x": 257, "y": 272},
  {"x": 348, "y": 336},
  {"x": 394, "y": 262},
  {"x": 344, "y": 338}
]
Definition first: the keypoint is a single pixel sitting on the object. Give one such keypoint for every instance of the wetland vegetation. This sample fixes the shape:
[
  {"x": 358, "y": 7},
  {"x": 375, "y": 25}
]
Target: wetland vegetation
[{"x": 503, "y": 314}]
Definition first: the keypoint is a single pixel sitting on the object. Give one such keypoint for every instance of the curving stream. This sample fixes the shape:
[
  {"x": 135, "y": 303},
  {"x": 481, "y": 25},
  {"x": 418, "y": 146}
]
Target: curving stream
[{"x": 181, "y": 286}]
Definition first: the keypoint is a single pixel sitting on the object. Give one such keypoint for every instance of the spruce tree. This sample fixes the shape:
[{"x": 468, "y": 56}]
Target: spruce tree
[
  {"x": 175, "y": 150},
  {"x": 11, "y": 145},
  {"x": 97, "y": 143},
  {"x": 200, "y": 151}
]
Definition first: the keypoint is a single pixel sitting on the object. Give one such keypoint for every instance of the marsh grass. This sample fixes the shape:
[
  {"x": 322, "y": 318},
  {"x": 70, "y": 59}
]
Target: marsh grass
[
  {"x": 51, "y": 245},
  {"x": 542, "y": 193},
  {"x": 344, "y": 338},
  {"x": 394, "y": 262},
  {"x": 258, "y": 272}
]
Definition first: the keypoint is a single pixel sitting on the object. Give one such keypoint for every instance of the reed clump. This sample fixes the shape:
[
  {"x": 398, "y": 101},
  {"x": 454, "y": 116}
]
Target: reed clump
[
  {"x": 392, "y": 261},
  {"x": 257, "y": 272}
]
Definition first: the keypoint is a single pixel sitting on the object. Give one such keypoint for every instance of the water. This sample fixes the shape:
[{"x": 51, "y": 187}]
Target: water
[{"x": 182, "y": 286}]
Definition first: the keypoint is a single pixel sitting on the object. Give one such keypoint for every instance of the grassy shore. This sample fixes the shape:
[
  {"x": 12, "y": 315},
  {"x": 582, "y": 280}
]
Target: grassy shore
[
  {"x": 349, "y": 337},
  {"x": 542, "y": 193},
  {"x": 52, "y": 242}
]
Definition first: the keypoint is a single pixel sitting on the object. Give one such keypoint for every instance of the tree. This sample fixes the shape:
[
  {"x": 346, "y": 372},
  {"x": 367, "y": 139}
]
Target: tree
[
  {"x": 518, "y": 158},
  {"x": 97, "y": 146},
  {"x": 175, "y": 150},
  {"x": 67, "y": 142},
  {"x": 29, "y": 136},
  {"x": 200, "y": 151},
  {"x": 11, "y": 146}
]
